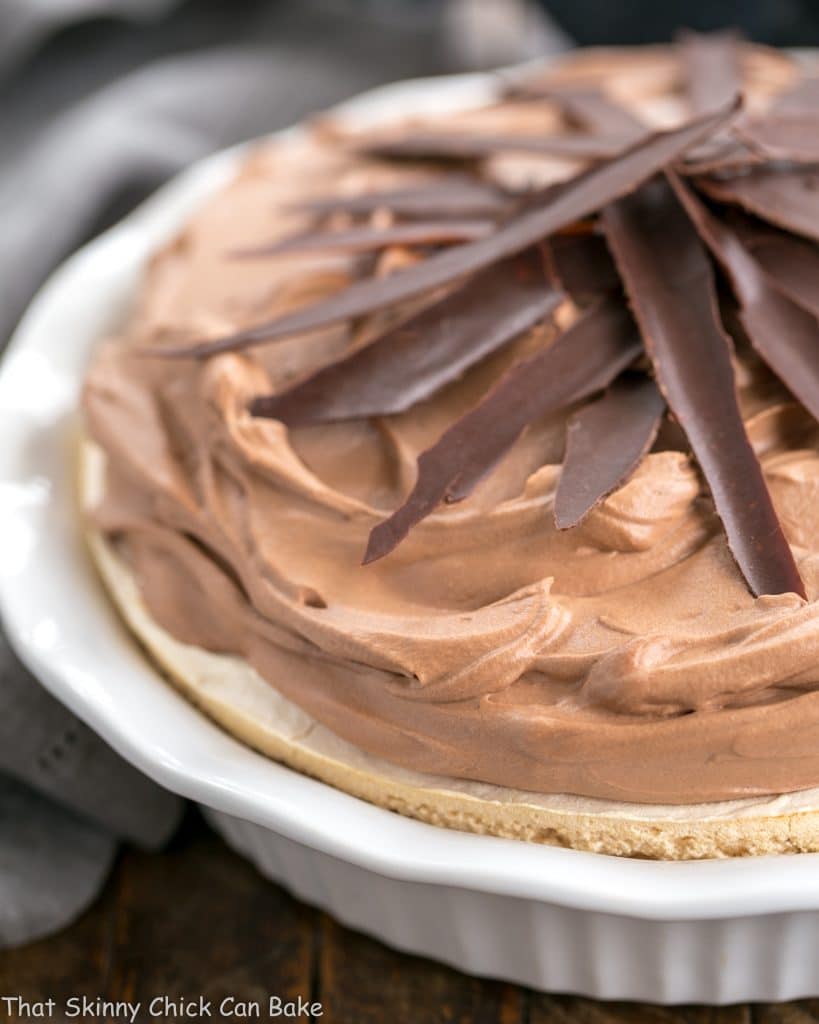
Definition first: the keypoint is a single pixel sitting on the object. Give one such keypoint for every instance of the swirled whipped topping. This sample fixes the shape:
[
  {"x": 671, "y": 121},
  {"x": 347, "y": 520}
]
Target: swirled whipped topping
[{"x": 625, "y": 658}]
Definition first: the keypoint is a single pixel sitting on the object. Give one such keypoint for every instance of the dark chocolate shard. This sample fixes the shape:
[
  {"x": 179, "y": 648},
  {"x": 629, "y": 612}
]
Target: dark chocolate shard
[
  {"x": 787, "y": 197},
  {"x": 787, "y": 133},
  {"x": 367, "y": 238},
  {"x": 791, "y": 138},
  {"x": 791, "y": 263},
  {"x": 591, "y": 109},
  {"x": 437, "y": 145},
  {"x": 418, "y": 357},
  {"x": 785, "y": 334},
  {"x": 605, "y": 442},
  {"x": 574, "y": 200},
  {"x": 802, "y": 99},
  {"x": 719, "y": 156},
  {"x": 583, "y": 266},
  {"x": 455, "y": 195},
  {"x": 583, "y": 360},
  {"x": 710, "y": 69},
  {"x": 599, "y": 113},
  {"x": 670, "y": 285}
]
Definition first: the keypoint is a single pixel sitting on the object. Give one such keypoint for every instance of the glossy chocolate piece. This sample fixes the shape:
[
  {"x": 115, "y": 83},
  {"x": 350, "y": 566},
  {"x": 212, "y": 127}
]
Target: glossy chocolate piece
[
  {"x": 670, "y": 285},
  {"x": 367, "y": 238},
  {"x": 560, "y": 207},
  {"x": 605, "y": 442},
  {"x": 583, "y": 360},
  {"x": 429, "y": 350}
]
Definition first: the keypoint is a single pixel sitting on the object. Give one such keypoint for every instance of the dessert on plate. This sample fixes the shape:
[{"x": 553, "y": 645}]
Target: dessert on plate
[{"x": 469, "y": 463}]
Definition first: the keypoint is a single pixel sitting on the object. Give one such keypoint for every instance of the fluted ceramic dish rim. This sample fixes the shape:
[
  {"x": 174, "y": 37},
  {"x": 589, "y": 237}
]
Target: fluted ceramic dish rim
[{"x": 63, "y": 627}]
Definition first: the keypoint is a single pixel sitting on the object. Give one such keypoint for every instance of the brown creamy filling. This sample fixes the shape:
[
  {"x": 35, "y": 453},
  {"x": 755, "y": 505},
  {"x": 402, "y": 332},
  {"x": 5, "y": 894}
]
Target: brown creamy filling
[{"x": 625, "y": 658}]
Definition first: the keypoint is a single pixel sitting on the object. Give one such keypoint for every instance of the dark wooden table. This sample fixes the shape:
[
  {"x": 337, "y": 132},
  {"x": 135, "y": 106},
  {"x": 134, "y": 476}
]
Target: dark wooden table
[{"x": 198, "y": 920}]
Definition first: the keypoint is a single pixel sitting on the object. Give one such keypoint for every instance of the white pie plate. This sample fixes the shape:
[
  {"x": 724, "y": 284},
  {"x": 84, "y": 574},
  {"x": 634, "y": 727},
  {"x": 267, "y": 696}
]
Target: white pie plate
[{"x": 555, "y": 919}]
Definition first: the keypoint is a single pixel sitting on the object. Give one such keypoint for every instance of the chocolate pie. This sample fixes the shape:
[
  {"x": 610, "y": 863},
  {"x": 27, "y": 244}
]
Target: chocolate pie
[{"x": 470, "y": 462}]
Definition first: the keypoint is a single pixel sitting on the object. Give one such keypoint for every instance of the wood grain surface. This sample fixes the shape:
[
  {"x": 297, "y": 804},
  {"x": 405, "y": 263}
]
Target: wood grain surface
[{"x": 198, "y": 920}]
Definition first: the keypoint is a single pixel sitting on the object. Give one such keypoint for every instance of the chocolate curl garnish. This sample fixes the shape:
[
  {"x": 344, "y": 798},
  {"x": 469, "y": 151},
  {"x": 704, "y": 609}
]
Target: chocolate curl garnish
[
  {"x": 454, "y": 196},
  {"x": 420, "y": 356},
  {"x": 583, "y": 266},
  {"x": 711, "y": 69},
  {"x": 591, "y": 109},
  {"x": 670, "y": 285},
  {"x": 369, "y": 239},
  {"x": 782, "y": 332},
  {"x": 456, "y": 146},
  {"x": 788, "y": 198},
  {"x": 605, "y": 442},
  {"x": 787, "y": 138},
  {"x": 724, "y": 155},
  {"x": 595, "y": 111},
  {"x": 791, "y": 263},
  {"x": 571, "y": 202},
  {"x": 583, "y": 360},
  {"x": 788, "y": 132},
  {"x": 802, "y": 99}
]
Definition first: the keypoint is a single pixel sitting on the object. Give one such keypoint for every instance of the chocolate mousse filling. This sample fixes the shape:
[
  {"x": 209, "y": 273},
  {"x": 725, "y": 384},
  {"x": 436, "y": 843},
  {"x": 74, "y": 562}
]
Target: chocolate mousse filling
[{"x": 567, "y": 419}]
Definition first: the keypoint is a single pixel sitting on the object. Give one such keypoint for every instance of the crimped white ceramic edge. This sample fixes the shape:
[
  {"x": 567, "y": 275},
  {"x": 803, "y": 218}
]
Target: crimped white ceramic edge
[
  {"x": 63, "y": 627},
  {"x": 544, "y": 945}
]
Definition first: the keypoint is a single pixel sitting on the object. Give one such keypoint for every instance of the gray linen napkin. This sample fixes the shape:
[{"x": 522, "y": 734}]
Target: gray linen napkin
[{"x": 93, "y": 120}]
